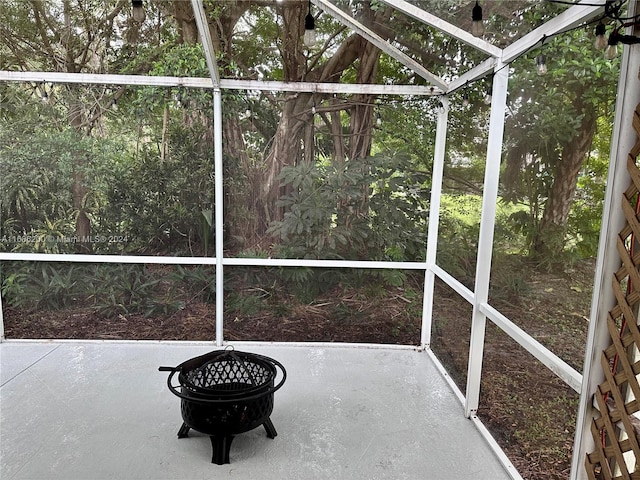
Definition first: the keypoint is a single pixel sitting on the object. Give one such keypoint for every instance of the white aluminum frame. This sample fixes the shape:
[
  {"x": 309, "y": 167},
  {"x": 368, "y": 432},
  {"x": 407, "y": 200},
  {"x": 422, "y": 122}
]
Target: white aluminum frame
[
  {"x": 478, "y": 298},
  {"x": 485, "y": 240},
  {"x": 207, "y": 83},
  {"x": 434, "y": 221}
]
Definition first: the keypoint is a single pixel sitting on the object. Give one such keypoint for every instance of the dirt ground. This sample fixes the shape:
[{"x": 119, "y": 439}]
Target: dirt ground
[{"x": 529, "y": 411}]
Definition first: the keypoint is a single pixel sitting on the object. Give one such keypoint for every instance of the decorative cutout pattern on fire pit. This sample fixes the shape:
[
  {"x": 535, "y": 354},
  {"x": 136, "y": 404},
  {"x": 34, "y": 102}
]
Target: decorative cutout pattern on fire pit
[{"x": 230, "y": 373}]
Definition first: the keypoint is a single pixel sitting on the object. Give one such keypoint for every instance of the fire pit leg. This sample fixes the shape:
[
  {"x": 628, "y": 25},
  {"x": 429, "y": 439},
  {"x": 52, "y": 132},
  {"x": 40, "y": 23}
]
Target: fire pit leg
[
  {"x": 184, "y": 431},
  {"x": 271, "y": 430},
  {"x": 221, "y": 445}
]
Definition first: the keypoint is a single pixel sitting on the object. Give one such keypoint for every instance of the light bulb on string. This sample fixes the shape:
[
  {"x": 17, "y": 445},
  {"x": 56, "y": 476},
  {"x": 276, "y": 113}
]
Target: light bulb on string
[
  {"x": 541, "y": 64},
  {"x": 179, "y": 99},
  {"x": 465, "y": 99},
  {"x": 378, "y": 119},
  {"x": 309, "y": 29},
  {"x": 488, "y": 97},
  {"x": 477, "y": 26},
  {"x": 313, "y": 107},
  {"x": 44, "y": 95},
  {"x": 600, "y": 43},
  {"x": 541, "y": 60},
  {"x": 138, "y": 11},
  {"x": 612, "y": 46}
]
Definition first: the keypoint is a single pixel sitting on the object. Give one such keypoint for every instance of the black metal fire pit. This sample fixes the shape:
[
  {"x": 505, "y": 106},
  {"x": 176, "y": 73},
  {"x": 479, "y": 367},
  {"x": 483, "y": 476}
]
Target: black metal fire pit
[{"x": 224, "y": 393}]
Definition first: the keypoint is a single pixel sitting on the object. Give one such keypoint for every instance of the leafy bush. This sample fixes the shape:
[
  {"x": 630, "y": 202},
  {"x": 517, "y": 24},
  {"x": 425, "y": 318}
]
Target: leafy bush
[
  {"x": 165, "y": 205},
  {"x": 373, "y": 209},
  {"x": 107, "y": 289}
]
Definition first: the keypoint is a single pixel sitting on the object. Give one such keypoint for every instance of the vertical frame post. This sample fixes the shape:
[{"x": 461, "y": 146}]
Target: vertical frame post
[
  {"x": 434, "y": 220},
  {"x": 485, "y": 240},
  {"x": 219, "y": 215},
  {"x": 210, "y": 56}
]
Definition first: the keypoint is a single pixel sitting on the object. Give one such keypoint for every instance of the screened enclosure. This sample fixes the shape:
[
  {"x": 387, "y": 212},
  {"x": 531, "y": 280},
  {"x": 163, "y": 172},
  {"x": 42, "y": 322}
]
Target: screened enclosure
[{"x": 209, "y": 171}]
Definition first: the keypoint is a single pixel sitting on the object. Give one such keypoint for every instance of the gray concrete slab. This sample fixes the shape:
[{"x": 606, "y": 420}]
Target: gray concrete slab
[{"x": 103, "y": 411}]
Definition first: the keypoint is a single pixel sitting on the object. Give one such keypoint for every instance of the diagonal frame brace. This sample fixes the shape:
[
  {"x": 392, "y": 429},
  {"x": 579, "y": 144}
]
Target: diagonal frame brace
[
  {"x": 207, "y": 44},
  {"x": 445, "y": 27},
  {"x": 379, "y": 42}
]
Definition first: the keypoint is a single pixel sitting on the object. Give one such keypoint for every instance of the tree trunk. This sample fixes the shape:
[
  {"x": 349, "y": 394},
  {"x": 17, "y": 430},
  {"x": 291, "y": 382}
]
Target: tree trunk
[
  {"x": 337, "y": 138},
  {"x": 242, "y": 185},
  {"x": 285, "y": 150},
  {"x": 187, "y": 27},
  {"x": 362, "y": 113},
  {"x": 164, "y": 141},
  {"x": 548, "y": 241},
  {"x": 78, "y": 187}
]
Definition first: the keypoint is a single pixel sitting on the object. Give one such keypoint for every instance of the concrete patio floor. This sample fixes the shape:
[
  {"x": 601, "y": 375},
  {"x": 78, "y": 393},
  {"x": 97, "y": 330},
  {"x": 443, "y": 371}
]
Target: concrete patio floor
[{"x": 102, "y": 410}]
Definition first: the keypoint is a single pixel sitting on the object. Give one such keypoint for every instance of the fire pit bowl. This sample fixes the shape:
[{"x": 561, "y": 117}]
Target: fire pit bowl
[{"x": 224, "y": 393}]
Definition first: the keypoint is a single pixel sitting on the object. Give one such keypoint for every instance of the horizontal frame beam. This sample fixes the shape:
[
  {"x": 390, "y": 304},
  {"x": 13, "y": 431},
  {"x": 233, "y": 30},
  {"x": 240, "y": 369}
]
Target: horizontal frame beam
[
  {"x": 228, "y": 84},
  {"x": 241, "y": 262},
  {"x": 474, "y": 74},
  {"x": 554, "y": 363}
]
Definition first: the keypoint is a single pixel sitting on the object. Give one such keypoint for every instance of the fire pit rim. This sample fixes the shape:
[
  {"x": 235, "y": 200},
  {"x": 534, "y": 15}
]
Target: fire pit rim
[{"x": 225, "y": 398}]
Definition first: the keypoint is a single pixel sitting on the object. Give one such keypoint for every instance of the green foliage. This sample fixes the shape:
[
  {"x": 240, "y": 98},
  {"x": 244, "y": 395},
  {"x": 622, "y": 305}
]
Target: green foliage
[
  {"x": 199, "y": 281},
  {"x": 131, "y": 289},
  {"x": 36, "y": 167},
  {"x": 546, "y": 114},
  {"x": 244, "y": 304},
  {"x": 460, "y": 228},
  {"x": 39, "y": 286},
  {"x": 39, "y": 165},
  {"x": 108, "y": 289},
  {"x": 586, "y": 213},
  {"x": 362, "y": 209},
  {"x": 163, "y": 205}
]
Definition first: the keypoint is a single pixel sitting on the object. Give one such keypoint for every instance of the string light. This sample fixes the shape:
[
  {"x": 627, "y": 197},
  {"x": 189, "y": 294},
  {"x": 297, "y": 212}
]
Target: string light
[
  {"x": 600, "y": 42},
  {"x": 44, "y": 95},
  {"x": 138, "y": 11},
  {"x": 541, "y": 60},
  {"x": 612, "y": 49},
  {"x": 465, "y": 99},
  {"x": 488, "y": 97},
  {"x": 477, "y": 26},
  {"x": 378, "y": 119},
  {"x": 612, "y": 10},
  {"x": 313, "y": 107},
  {"x": 309, "y": 29},
  {"x": 541, "y": 64}
]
